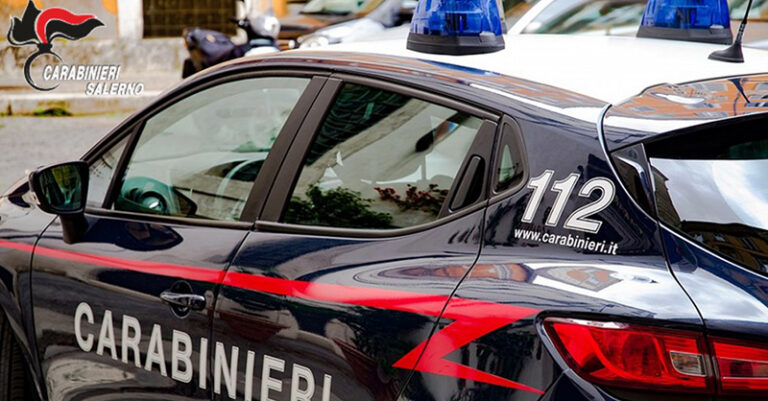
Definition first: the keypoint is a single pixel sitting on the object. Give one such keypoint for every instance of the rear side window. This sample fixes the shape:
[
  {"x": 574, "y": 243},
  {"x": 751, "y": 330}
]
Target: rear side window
[
  {"x": 381, "y": 160},
  {"x": 713, "y": 187},
  {"x": 509, "y": 163}
]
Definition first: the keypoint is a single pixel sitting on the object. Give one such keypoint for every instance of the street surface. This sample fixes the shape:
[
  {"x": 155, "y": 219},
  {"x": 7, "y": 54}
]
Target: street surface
[{"x": 29, "y": 142}]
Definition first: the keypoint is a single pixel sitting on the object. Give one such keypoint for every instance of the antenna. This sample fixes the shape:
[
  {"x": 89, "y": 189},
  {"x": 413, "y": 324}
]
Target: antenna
[{"x": 733, "y": 54}]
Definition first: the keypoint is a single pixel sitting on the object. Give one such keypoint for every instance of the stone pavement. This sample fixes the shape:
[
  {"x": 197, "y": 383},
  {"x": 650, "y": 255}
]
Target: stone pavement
[{"x": 30, "y": 142}]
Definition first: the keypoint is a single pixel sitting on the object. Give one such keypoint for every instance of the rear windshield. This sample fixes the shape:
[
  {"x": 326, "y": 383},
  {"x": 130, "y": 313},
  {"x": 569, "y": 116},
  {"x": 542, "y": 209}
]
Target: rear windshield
[{"x": 712, "y": 186}]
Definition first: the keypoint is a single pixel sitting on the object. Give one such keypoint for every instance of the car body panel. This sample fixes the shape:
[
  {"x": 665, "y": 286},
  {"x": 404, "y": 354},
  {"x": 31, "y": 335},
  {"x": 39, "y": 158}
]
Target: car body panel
[
  {"x": 634, "y": 284},
  {"x": 351, "y": 308},
  {"x": 476, "y": 86},
  {"x": 622, "y": 18},
  {"x": 720, "y": 287},
  {"x": 608, "y": 68},
  {"x": 21, "y": 222},
  {"x": 667, "y": 108},
  {"x": 120, "y": 267}
]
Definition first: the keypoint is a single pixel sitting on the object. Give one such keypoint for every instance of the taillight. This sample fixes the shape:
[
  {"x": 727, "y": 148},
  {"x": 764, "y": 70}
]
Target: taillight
[
  {"x": 626, "y": 355},
  {"x": 742, "y": 366},
  {"x": 632, "y": 356}
]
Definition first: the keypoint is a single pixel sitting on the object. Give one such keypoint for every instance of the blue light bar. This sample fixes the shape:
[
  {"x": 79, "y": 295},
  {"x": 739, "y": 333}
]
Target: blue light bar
[
  {"x": 692, "y": 20},
  {"x": 456, "y": 27}
]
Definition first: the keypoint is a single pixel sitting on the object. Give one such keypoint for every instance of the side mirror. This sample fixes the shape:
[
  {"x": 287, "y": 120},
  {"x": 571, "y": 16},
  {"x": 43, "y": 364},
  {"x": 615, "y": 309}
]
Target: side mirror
[{"x": 61, "y": 188}]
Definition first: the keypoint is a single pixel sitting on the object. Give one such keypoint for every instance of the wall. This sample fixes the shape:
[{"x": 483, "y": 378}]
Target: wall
[{"x": 104, "y": 10}]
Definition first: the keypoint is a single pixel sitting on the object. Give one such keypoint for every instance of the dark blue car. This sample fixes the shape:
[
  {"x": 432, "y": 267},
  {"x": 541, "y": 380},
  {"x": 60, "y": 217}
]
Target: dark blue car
[{"x": 349, "y": 227}]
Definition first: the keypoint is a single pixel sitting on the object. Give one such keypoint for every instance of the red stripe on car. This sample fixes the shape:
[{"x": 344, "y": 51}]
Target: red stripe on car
[{"x": 472, "y": 319}]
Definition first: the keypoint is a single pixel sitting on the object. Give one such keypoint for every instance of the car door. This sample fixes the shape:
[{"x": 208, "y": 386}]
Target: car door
[
  {"x": 123, "y": 304},
  {"x": 373, "y": 219}
]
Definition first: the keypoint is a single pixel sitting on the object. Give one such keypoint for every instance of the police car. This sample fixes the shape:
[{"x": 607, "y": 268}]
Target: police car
[{"x": 541, "y": 222}]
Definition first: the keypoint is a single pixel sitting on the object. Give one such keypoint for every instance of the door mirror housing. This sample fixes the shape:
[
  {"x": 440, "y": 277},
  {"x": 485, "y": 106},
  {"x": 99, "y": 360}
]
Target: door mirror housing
[{"x": 61, "y": 189}]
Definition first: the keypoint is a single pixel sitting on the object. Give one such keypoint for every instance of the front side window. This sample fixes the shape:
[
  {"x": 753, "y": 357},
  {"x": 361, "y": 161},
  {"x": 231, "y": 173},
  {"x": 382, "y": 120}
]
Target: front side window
[
  {"x": 101, "y": 172},
  {"x": 380, "y": 160},
  {"x": 199, "y": 157},
  {"x": 713, "y": 187}
]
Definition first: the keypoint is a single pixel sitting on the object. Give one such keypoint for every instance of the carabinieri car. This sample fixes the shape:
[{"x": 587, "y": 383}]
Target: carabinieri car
[{"x": 345, "y": 226}]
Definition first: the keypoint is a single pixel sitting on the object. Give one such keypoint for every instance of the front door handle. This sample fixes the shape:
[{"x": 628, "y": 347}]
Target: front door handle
[{"x": 184, "y": 301}]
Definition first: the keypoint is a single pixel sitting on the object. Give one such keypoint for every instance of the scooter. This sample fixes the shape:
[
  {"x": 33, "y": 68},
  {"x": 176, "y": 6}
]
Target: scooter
[{"x": 207, "y": 47}]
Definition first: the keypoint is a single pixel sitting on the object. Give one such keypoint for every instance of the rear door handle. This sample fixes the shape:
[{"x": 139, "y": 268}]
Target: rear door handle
[{"x": 184, "y": 301}]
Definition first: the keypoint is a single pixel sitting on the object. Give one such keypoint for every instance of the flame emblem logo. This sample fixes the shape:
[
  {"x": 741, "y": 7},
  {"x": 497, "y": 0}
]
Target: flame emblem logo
[{"x": 40, "y": 27}]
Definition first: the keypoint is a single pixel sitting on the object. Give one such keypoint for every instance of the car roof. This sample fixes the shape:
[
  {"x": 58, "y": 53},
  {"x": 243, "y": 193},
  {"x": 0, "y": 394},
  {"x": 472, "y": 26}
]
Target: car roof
[
  {"x": 574, "y": 82},
  {"x": 487, "y": 90},
  {"x": 608, "y": 68},
  {"x": 668, "y": 108}
]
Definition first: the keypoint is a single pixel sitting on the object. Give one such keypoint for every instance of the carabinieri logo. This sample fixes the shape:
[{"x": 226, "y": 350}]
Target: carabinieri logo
[{"x": 39, "y": 28}]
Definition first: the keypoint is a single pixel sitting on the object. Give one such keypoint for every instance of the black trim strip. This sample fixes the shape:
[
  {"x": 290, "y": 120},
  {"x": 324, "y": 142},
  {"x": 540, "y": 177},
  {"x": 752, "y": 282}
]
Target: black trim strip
[
  {"x": 117, "y": 175},
  {"x": 188, "y": 221},
  {"x": 272, "y": 226},
  {"x": 257, "y": 198},
  {"x": 288, "y": 173},
  {"x": 418, "y": 94}
]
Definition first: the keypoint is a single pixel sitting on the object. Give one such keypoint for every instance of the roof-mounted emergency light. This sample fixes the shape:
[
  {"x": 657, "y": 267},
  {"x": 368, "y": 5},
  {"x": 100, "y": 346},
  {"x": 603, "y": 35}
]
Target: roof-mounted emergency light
[
  {"x": 456, "y": 27},
  {"x": 692, "y": 20}
]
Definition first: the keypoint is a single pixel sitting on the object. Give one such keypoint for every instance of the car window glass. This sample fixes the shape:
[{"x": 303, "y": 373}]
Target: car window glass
[
  {"x": 380, "y": 160},
  {"x": 757, "y": 13},
  {"x": 336, "y": 7},
  {"x": 588, "y": 16},
  {"x": 101, "y": 172},
  {"x": 509, "y": 170},
  {"x": 715, "y": 190},
  {"x": 200, "y": 156}
]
